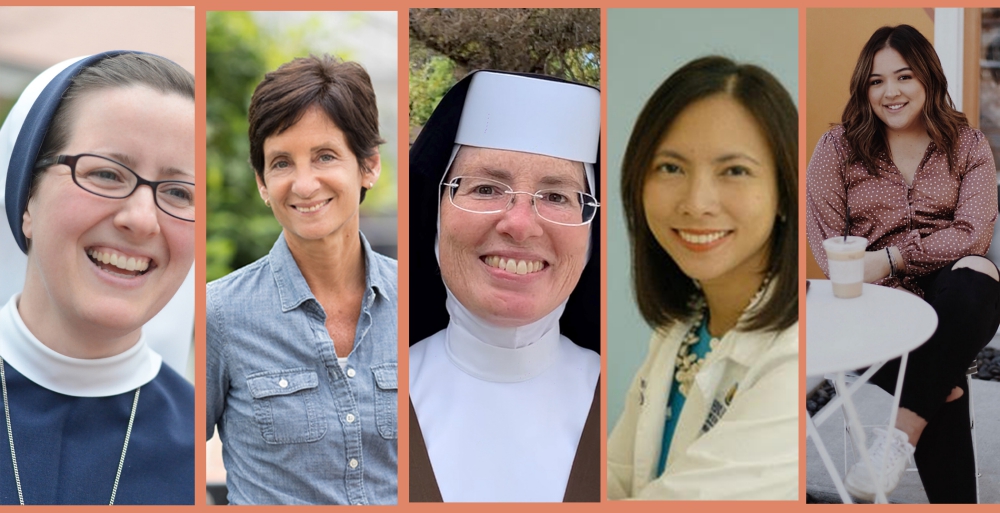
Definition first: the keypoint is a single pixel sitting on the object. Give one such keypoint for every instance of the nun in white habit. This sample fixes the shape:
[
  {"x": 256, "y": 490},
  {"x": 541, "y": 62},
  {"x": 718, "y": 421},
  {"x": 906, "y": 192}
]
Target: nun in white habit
[{"x": 505, "y": 293}]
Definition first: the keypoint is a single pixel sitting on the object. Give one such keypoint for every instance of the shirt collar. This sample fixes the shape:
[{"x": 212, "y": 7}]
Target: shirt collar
[
  {"x": 293, "y": 289},
  {"x": 375, "y": 279},
  {"x": 99, "y": 377}
]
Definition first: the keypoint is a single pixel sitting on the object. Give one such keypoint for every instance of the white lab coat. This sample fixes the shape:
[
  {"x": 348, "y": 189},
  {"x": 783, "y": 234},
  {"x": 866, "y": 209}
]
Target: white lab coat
[{"x": 752, "y": 452}]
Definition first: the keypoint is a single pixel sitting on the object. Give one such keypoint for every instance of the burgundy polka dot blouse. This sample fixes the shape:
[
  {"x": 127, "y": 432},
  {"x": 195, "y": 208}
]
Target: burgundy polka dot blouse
[{"x": 941, "y": 217}]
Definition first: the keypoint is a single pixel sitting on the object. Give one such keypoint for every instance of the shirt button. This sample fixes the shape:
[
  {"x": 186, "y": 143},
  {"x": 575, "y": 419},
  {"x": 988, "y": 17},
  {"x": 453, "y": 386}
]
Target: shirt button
[
  {"x": 351, "y": 372},
  {"x": 350, "y": 418},
  {"x": 283, "y": 383},
  {"x": 353, "y": 463}
]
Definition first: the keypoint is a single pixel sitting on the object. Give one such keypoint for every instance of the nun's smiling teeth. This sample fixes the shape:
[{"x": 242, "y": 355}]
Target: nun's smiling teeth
[
  {"x": 111, "y": 261},
  {"x": 313, "y": 208},
  {"x": 514, "y": 266}
]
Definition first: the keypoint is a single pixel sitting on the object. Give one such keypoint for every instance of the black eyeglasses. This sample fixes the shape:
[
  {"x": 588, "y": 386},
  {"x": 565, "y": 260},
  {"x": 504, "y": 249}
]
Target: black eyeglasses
[{"x": 110, "y": 179}]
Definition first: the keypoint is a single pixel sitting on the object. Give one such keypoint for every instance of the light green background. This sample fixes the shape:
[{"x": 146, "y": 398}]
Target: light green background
[{"x": 644, "y": 47}]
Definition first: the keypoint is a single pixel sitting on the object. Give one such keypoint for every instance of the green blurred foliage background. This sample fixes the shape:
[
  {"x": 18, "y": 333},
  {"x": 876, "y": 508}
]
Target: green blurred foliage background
[{"x": 241, "y": 47}]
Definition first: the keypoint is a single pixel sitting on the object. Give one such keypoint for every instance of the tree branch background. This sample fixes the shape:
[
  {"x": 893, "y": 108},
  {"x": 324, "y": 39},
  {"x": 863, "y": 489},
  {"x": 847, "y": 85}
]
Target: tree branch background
[{"x": 447, "y": 44}]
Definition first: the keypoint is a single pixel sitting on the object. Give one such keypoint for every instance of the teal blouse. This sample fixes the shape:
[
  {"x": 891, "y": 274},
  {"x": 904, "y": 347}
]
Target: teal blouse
[{"x": 676, "y": 400}]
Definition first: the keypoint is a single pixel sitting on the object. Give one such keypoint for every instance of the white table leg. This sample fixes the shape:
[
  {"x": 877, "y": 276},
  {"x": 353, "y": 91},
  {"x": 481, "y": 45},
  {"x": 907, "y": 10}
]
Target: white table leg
[
  {"x": 834, "y": 404},
  {"x": 811, "y": 432},
  {"x": 857, "y": 432}
]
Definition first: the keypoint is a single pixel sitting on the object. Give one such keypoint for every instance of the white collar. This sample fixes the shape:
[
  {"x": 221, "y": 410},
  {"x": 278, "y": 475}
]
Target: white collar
[
  {"x": 503, "y": 355},
  {"x": 99, "y": 377}
]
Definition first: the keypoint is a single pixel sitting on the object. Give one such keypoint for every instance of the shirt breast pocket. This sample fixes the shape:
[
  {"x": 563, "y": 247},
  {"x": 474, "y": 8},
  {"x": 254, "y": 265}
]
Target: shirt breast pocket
[
  {"x": 286, "y": 406},
  {"x": 385, "y": 399}
]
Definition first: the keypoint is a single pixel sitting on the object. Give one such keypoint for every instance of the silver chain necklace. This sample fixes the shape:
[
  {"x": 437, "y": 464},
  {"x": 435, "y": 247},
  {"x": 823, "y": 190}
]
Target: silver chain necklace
[{"x": 13, "y": 456}]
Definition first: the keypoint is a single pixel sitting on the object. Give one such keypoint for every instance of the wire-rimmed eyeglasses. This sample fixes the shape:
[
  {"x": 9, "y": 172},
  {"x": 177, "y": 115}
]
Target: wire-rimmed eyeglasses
[
  {"x": 485, "y": 196},
  {"x": 108, "y": 178}
]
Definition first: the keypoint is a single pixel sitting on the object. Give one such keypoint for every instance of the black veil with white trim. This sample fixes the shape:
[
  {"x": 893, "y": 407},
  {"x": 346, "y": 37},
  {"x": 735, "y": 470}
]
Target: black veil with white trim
[{"x": 429, "y": 158}]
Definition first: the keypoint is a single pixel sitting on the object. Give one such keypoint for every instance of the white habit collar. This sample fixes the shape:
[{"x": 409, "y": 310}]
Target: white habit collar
[
  {"x": 504, "y": 355},
  {"x": 100, "y": 377}
]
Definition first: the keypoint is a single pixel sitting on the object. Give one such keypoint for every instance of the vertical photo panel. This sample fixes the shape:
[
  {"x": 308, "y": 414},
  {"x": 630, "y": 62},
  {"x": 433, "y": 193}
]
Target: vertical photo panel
[
  {"x": 901, "y": 204},
  {"x": 96, "y": 269},
  {"x": 505, "y": 327},
  {"x": 703, "y": 342},
  {"x": 301, "y": 304}
]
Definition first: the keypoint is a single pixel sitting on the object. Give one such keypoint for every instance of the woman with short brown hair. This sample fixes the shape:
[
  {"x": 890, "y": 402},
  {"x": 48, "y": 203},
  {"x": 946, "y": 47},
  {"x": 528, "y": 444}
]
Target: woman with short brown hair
[{"x": 301, "y": 344}]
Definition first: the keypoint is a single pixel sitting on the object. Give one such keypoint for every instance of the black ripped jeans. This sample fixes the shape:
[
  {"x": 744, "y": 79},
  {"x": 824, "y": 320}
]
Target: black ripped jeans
[{"x": 967, "y": 303}]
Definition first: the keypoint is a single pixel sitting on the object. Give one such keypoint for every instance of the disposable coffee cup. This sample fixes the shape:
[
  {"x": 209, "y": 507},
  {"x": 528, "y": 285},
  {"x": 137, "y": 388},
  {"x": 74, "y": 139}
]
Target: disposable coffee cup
[{"x": 846, "y": 260}]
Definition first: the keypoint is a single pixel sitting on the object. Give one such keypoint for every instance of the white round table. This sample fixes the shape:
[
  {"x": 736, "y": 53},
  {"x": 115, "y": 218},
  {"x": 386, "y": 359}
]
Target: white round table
[{"x": 848, "y": 334}]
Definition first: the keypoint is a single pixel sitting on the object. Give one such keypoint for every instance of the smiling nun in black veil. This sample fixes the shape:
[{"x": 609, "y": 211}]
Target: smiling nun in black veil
[{"x": 505, "y": 293}]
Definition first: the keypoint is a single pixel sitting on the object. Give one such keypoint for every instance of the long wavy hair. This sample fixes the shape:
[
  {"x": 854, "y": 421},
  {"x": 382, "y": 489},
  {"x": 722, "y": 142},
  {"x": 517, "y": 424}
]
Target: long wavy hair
[{"x": 865, "y": 132}]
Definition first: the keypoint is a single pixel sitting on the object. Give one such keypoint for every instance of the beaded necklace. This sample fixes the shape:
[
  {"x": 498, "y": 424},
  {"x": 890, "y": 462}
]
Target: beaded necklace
[{"x": 689, "y": 364}]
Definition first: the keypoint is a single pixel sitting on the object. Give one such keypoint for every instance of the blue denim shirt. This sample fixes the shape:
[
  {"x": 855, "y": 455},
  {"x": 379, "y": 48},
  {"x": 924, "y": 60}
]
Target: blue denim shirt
[{"x": 295, "y": 427}]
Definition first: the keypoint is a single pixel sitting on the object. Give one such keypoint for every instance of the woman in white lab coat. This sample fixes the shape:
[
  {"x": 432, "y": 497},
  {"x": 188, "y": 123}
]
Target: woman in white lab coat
[{"x": 709, "y": 186}]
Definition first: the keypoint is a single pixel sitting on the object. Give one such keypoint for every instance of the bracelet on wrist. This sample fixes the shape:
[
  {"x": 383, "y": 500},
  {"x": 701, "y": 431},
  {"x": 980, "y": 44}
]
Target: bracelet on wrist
[{"x": 892, "y": 266}]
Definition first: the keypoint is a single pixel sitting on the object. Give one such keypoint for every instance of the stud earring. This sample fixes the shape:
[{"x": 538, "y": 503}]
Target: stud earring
[
  {"x": 371, "y": 185},
  {"x": 267, "y": 203}
]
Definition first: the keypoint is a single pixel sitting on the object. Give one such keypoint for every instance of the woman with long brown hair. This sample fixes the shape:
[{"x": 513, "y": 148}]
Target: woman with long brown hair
[{"x": 906, "y": 171}]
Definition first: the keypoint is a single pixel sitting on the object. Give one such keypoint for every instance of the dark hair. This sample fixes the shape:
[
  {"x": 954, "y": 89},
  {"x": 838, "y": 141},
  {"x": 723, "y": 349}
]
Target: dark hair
[
  {"x": 342, "y": 89},
  {"x": 664, "y": 293},
  {"x": 124, "y": 70},
  {"x": 865, "y": 133}
]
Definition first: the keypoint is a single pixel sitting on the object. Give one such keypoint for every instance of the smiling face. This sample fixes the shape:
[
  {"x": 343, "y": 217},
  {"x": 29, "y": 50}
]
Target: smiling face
[
  {"x": 511, "y": 268},
  {"x": 896, "y": 96},
  {"x": 711, "y": 195},
  {"x": 313, "y": 181},
  {"x": 69, "y": 287}
]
